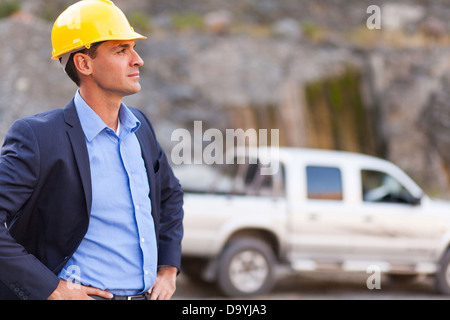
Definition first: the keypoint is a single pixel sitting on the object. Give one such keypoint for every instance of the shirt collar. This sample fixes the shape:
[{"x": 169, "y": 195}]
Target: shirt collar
[{"x": 92, "y": 124}]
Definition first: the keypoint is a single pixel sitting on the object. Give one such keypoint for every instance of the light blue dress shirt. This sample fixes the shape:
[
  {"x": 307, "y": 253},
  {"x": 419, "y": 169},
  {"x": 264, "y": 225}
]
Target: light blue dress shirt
[{"x": 118, "y": 253}]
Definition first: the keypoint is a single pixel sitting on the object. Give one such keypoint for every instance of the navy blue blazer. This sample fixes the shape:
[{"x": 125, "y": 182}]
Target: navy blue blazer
[{"x": 45, "y": 200}]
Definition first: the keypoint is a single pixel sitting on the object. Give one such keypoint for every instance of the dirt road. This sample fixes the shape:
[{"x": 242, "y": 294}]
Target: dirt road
[{"x": 323, "y": 286}]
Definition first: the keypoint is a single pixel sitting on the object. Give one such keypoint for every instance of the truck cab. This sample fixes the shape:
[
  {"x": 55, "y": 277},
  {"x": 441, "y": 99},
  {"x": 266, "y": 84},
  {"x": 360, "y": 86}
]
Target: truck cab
[{"x": 320, "y": 210}]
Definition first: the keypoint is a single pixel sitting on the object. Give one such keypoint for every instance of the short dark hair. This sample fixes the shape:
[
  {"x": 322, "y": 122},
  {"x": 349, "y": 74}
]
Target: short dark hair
[{"x": 71, "y": 70}]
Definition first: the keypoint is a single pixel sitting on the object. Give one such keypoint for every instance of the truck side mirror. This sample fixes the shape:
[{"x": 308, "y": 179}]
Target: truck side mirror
[{"x": 415, "y": 201}]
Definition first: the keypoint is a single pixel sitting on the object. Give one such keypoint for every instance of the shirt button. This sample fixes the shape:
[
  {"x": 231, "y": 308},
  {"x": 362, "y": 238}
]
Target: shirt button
[
  {"x": 146, "y": 272},
  {"x": 142, "y": 239},
  {"x": 137, "y": 207}
]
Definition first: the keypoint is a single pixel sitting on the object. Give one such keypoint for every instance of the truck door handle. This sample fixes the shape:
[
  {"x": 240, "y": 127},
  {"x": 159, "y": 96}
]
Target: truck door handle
[
  {"x": 313, "y": 216},
  {"x": 368, "y": 219}
]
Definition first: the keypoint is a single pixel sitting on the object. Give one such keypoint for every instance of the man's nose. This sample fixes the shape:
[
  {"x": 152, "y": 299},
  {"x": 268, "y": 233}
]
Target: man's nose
[{"x": 137, "y": 60}]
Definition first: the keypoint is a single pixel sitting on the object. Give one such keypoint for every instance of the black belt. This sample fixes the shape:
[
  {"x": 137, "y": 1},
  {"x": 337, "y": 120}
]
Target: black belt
[{"x": 143, "y": 296}]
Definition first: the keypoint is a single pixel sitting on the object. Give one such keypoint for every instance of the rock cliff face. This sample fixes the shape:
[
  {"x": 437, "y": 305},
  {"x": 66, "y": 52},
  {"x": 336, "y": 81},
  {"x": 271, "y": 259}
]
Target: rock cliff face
[
  {"x": 375, "y": 96},
  {"x": 30, "y": 82},
  {"x": 408, "y": 83}
]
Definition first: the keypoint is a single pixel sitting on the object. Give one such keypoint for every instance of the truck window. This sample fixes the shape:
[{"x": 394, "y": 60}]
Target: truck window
[
  {"x": 250, "y": 181},
  {"x": 205, "y": 178},
  {"x": 378, "y": 186},
  {"x": 238, "y": 178},
  {"x": 324, "y": 183}
]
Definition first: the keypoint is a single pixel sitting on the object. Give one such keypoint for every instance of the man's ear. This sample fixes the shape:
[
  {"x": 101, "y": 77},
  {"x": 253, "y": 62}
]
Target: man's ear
[{"x": 82, "y": 63}]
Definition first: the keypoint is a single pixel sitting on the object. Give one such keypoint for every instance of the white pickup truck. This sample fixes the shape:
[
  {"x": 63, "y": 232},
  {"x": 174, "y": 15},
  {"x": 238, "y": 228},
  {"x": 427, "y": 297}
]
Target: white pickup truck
[{"x": 321, "y": 210}]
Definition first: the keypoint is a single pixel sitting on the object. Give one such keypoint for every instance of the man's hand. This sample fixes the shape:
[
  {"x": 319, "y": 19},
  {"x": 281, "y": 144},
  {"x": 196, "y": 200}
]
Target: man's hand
[
  {"x": 70, "y": 291},
  {"x": 164, "y": 286}
]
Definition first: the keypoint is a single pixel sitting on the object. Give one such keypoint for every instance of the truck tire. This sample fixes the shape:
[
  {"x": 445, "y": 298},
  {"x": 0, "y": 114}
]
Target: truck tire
[
  {"x": 246, "y": 268},
  {"x": 443, "y": 275}
]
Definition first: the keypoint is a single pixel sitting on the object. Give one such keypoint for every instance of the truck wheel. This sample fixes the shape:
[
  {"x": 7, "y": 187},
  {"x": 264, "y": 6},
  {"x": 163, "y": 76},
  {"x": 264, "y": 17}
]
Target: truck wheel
[
  {"x": 443, "y": 275},
  {"x": 246, "y": 268}
]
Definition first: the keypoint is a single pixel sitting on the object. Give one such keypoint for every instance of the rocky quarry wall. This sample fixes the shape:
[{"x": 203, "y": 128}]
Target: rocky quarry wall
[{"x": 327, "y": 83}]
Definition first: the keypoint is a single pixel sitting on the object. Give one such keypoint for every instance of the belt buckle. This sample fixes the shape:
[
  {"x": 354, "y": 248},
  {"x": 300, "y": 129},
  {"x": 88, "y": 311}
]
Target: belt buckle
[
  {"x": 137, "y": 297},
  {"x": 133, "y": 297}
]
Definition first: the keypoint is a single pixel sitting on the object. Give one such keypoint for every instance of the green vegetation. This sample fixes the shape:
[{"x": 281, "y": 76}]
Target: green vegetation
[
  {"x": 140, "y": 21},
  {"x": 8, "y": 7},
  {"x": 337, "y": 116},
  {"x": 187, "y": 20},
  {"x": 313, "y": 31}
]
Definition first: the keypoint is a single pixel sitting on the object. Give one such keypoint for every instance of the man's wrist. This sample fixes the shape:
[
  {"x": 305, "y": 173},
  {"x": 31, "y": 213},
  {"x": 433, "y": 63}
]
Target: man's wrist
[{"x": 168, "y": 270}]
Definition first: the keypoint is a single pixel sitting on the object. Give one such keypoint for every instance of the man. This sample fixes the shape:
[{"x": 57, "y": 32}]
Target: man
[{"x": 89, "y": 207}]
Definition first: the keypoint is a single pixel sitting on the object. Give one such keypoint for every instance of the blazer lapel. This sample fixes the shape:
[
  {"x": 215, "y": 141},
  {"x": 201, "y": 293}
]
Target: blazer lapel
[
  {"x": 77, "y": 139},
  {"x": 143, "y": 138}
]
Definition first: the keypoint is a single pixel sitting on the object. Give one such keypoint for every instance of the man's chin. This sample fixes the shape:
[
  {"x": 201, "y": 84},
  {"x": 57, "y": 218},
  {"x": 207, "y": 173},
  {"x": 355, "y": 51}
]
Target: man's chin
[{"x": 132, "y": 91}]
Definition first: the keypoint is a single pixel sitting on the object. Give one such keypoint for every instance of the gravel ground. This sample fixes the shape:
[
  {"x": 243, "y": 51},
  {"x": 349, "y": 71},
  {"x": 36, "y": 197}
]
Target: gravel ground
[{"x": 322, "y": 286}]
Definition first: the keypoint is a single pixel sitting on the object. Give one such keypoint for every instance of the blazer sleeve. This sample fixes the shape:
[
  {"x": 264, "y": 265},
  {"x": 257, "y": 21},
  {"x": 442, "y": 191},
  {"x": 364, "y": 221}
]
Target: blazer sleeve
[
  {"x": 171, "y": 216},
  {"x": 20, "y": 272},
  {"x": 170, "y": 222}
]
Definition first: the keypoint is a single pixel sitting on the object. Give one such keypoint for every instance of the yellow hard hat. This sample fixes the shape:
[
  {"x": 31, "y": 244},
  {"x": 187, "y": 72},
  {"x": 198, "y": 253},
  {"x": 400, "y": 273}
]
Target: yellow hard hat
[{"x": 87, "y": 22}]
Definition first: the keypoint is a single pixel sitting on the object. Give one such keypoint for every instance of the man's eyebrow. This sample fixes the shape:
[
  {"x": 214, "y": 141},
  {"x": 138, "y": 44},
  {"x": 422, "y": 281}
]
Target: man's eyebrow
[{"x": 123, "y": 45}]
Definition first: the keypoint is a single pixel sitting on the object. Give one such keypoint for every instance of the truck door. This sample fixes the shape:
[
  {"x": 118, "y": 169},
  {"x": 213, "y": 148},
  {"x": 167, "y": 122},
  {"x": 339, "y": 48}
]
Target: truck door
[
  {"x": 322, "y": 225},
  {"x": 395, "y": 226}
]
